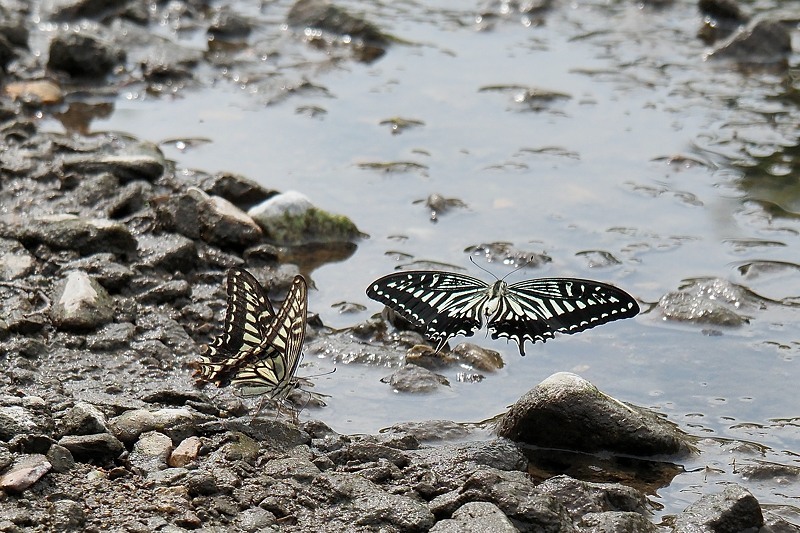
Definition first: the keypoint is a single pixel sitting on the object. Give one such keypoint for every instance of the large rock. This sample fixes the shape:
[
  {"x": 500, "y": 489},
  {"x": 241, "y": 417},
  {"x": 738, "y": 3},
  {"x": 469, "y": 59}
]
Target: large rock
[
  {"x": 567, "y": 412},
  {"x": 65, "y": 231},
  {"x": 291, "y": 219},
  {"x": 475, "y": 517}
]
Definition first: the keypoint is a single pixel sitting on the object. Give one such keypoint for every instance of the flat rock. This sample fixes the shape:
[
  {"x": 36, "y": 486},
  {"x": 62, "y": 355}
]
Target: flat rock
[
  {"x": 101, "y": 447},
  {"x": 65, "y": 231},
  {"x": 413, "y": 378},
  {"x": 567, "y": 412},
  {"x": 178, "y": 423},
  {"x": 24, "y": 473}
]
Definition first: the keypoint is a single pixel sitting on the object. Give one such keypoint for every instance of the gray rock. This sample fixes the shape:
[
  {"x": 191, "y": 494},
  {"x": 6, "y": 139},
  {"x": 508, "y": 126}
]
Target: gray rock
[
  {"x": 151, "y": 452},
  {"x": 733, "y": 509},
  {"x": 291, "y": 219},
  {"x": 61, "y": 458},
  {"x": 223, "y": 224},
  {"x": 16, "y": 420},
  {"x": 475, "y": 517},
  {"x": 709, "y": 301},
  {"x": 15, "y": 261},
  {"x": 516, "y": 496},
  {"x": 239, "y": 190},
  {"x": 83, "y": 54},
  {"x": 24, "y": 472},
  {"x": 178, "y": 424},
  {"x": 413, "y": 378},
  {"x": 81, "y": 303},
  {"x": 361, "y": 504},
  {"x": 169, "y": 291},
  {"x": 66, "y": 231},
  {"x": 567, "y": 412},
  {"x": 228, "y": 25},
  {"x": 102, "y": 447},
  {"x": 504, "y": 253},
  {"x": 67, "y": 515},
  {"x": 761, "y": 41},
  {"x": 123, "y": 157},
  {"x": 297, "y": 468},
  {"x": 84, "y": 419},
  {"x": 257, "y": 520},
  {"x": 167, "y": 251}
]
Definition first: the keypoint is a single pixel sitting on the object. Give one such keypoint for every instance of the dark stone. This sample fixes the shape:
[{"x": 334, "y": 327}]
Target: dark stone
[
  {"x": 567, "y": 412},
  {"x": 87, "y": 236},
  {"x": 242, "y": 192},
  {"x": 98, "y": 448},
  {"x": 83, "y": 55},
  {"x": 413, "y": 378},
  {"x": 168, "y": 251},
  {"x": 762, "y": 41},
  {"x": 328, "y": 17}
]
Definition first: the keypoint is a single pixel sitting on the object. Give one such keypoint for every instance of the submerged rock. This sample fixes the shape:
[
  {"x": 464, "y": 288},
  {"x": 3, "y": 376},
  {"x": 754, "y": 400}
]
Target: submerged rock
[
  {"x": 567, "y": 412},
  {"x": 84, "y": 53},
  {"x": 762, "y": 41},
  {"x": 413, "y": 378},
  {"x": 291, "y": 219},
  {"x": 708, "y": 301}
]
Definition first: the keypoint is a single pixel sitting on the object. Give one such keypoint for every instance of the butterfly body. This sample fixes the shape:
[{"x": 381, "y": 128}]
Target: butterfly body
[
  {"x": 447, "y": 304},
  {"x": 260, "y": 349}
]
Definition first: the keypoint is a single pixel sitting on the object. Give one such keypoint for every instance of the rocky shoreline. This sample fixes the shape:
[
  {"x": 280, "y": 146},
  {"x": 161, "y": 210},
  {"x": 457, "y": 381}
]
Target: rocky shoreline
[{"x": 111, "y": 269}]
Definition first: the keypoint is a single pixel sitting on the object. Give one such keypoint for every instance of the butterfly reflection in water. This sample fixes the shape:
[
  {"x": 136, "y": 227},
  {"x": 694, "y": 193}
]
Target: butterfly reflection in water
[
  {"x": 448, "y": 304},
  {"x": 260, "y": 349}
]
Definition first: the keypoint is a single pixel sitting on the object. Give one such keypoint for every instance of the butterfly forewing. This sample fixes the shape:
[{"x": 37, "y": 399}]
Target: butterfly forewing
[
  {"x": 449, "y": 304},
  {"x": 271, "y": 370},
  {"x": 446, "y": 304}
]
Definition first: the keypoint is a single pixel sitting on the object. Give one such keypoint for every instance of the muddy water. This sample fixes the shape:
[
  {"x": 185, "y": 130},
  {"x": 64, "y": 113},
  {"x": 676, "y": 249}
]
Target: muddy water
[{"x": 627, "y": 142}]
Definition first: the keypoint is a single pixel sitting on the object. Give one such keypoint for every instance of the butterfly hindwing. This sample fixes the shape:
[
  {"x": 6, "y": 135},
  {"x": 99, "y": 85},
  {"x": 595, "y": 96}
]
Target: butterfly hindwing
[
  {"x": 449, "y": 304},
  {"x": 446, "y": 304}
]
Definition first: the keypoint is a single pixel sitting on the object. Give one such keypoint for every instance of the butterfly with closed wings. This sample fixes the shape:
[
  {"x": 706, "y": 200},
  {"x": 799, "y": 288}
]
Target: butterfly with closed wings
[
  {"x": 447, "y": 304},
  {"x": 260, "y": 349}
]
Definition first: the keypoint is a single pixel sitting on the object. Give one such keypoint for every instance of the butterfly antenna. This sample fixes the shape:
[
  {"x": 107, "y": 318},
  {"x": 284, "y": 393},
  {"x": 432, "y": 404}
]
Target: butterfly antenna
[
  {"x": 485, "y": 270},
  {"x": 528, "y": 262}
]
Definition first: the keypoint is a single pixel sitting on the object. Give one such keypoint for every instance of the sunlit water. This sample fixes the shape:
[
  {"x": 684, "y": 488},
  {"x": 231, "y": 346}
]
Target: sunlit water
[{"x": 587, "y": 172}]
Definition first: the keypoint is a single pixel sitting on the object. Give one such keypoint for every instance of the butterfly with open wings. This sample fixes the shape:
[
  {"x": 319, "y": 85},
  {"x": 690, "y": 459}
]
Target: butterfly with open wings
[
  {"x": 260, "y": 349},
  {"x": 447, "y": 304}
]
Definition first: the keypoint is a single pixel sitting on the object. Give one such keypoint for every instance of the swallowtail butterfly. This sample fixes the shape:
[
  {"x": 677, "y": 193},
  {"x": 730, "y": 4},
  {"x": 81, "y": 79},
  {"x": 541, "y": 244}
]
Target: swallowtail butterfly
[
  {"x": 448, "y": 304},
  {"x": 260, "y": 350}
]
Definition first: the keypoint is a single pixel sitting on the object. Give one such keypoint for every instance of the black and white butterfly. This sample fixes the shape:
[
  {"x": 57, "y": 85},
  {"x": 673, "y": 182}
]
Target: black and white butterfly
[
  {"x": 448, "y": 304},
  {"x": 260, "y": 349}
]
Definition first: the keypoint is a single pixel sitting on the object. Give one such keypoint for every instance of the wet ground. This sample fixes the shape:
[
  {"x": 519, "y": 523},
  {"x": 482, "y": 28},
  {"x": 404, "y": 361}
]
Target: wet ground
[{"x": 597, "y": 134}]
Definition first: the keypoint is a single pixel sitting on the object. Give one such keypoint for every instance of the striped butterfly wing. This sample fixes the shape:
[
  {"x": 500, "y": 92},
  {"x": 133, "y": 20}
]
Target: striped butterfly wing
[
  {"x": 270, "y": 368},
  {"x": 444, "y": 303},
  {"x": 534, "y": 310},
  {"x": 249, "y": 312}
]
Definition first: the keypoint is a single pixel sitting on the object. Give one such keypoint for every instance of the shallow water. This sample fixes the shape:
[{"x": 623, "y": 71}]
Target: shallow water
[{"x": 588, "y": 172}]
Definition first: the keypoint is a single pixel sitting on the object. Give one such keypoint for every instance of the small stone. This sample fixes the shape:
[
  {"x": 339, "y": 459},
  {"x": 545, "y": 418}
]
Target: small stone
[
  {"x": 168, "y": 251},
  {"x": 67, "y": 515},
  {"x": 61, "y": 458},
  {"x": 734, "y": 509},
  {"x": 84, "y": 419},
  {"x": 177, "y": 424},
  {"x": 478, "y": 357},
  {"x": 151, "y": 451},
  {"x": 102, "y": 446},
  {"x": 186, "y": 452},
  {"x": 24, "y": 473},
  {"x": 15, "y": 261},
  {"x": 82, "y": 304}
]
